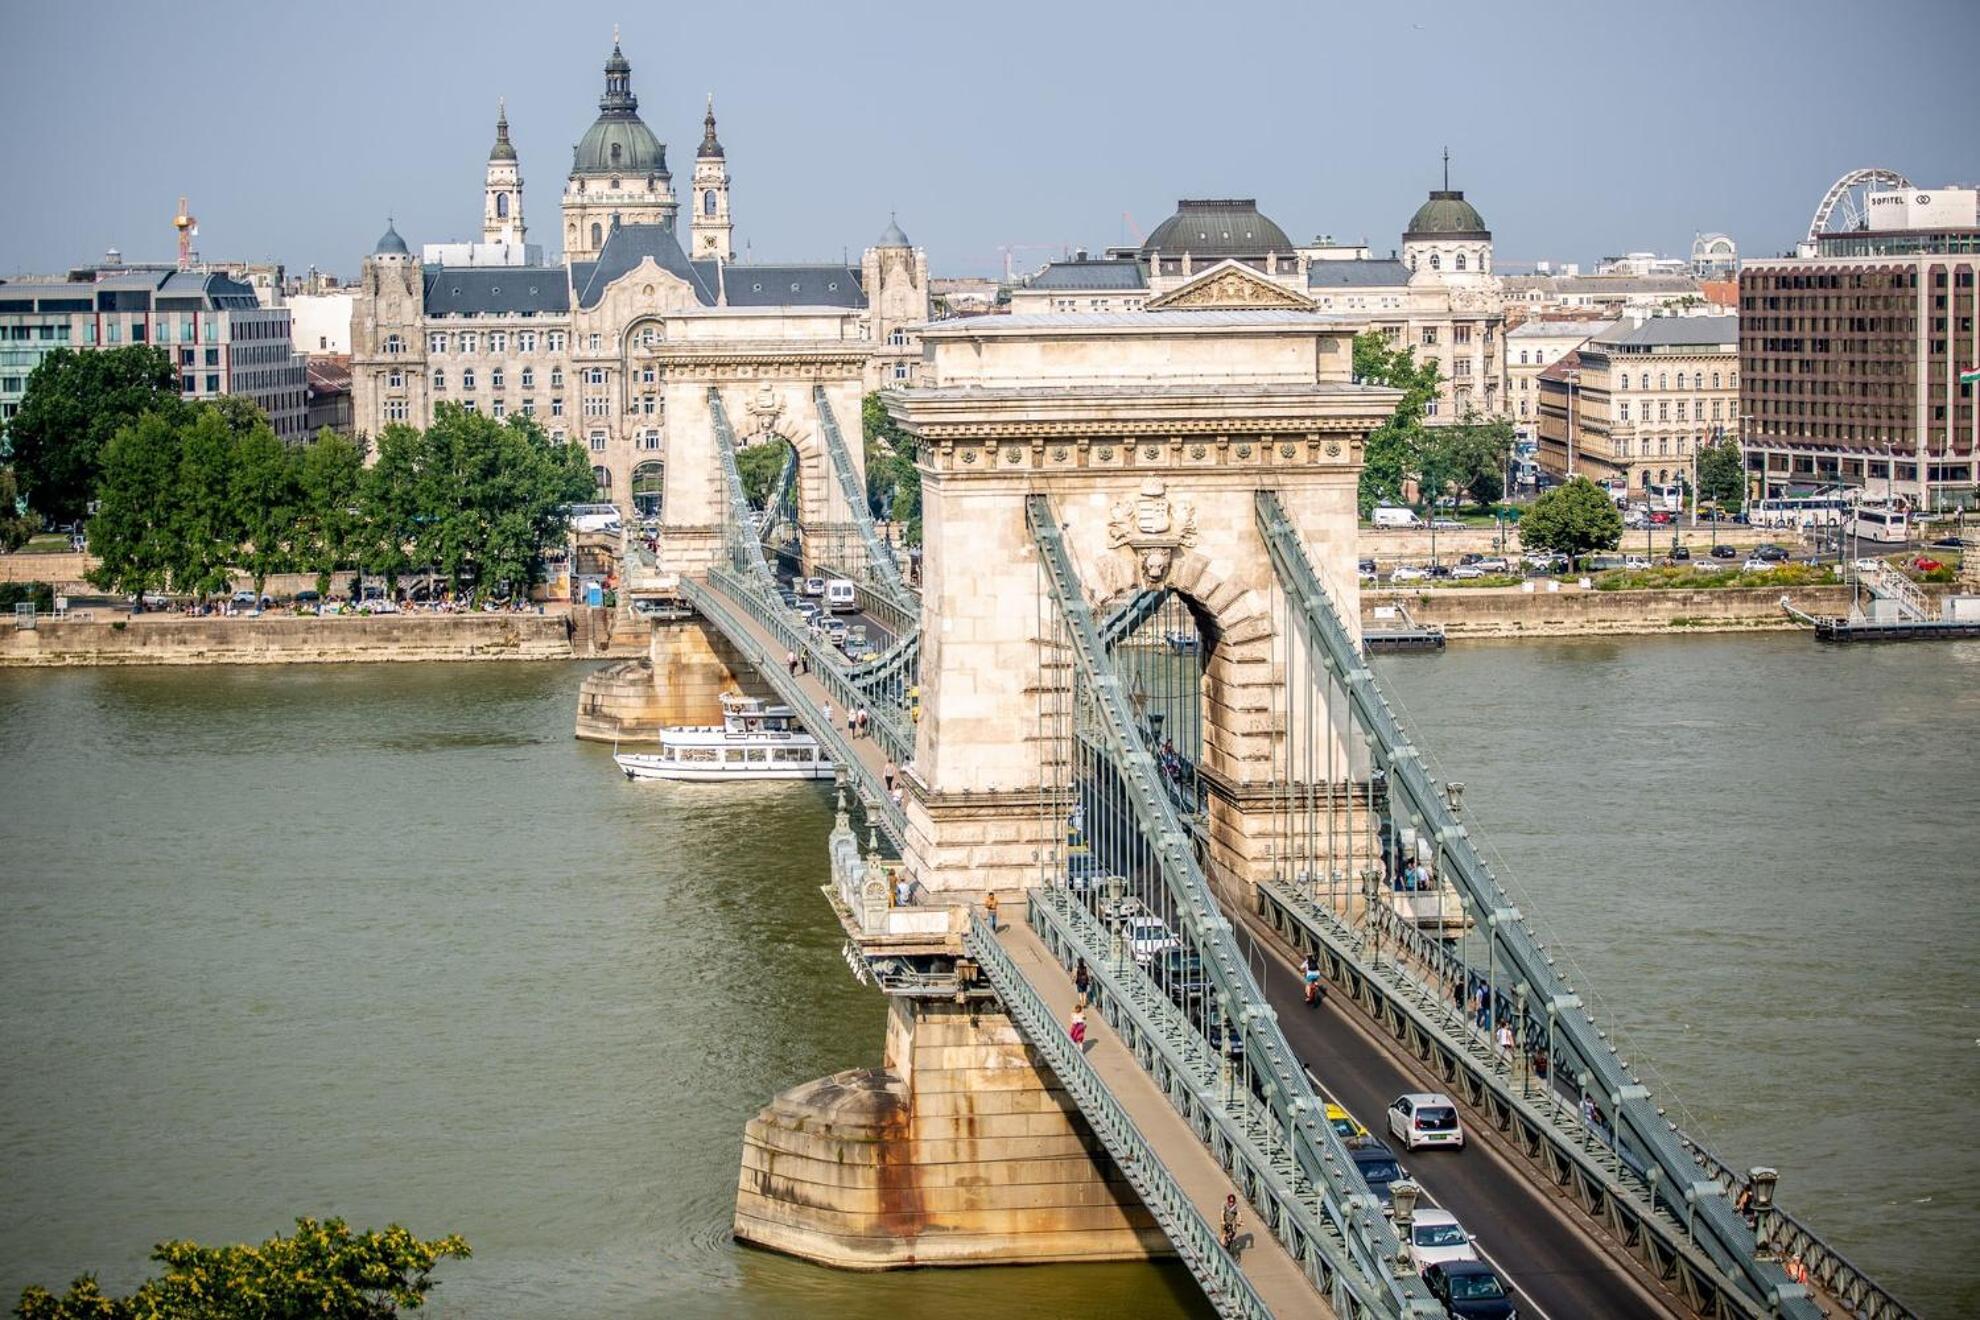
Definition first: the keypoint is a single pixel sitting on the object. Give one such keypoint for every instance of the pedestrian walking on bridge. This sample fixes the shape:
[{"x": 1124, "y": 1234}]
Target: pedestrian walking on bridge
[
  {"x": 1078, "y": 1028},
  {"x": 990, "y": 907}
]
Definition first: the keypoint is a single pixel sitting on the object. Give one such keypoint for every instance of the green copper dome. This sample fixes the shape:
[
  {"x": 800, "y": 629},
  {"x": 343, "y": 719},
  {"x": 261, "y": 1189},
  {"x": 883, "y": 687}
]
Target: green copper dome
[
  {"x": 1447, "y": 215},
  {"x": 618, "y": 141}
]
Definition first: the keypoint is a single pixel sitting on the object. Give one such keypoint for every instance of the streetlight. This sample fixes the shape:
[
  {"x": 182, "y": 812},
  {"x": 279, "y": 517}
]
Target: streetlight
[{"x": 1403, "y": 1195}]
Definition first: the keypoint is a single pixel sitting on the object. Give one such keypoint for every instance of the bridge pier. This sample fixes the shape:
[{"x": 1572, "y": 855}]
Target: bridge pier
[
  {"x": 963, "y": 1149},
  {"x": 687, "y": 667}
]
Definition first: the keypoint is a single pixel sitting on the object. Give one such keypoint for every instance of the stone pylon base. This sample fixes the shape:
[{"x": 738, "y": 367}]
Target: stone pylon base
[
  {"x": 963, "y": 1151},
  {"x": 688, "y": 667}
]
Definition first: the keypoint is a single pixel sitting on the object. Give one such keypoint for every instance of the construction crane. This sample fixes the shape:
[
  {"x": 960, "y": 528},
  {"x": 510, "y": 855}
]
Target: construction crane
[{"x": 188, "y": 230}]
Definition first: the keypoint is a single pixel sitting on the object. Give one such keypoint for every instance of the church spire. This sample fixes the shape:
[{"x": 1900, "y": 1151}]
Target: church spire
[
  {"x": 503, "y": 149},
  {"x": 711, "y": 147}
]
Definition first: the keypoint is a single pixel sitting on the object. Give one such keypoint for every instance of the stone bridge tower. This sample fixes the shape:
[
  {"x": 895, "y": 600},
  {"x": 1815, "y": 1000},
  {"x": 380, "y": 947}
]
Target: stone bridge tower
[{"x": 1150, "y": 433}]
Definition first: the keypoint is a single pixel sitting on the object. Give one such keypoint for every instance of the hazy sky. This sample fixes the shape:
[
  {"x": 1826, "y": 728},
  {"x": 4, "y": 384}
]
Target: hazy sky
[{"x": 1577, "y": 128}]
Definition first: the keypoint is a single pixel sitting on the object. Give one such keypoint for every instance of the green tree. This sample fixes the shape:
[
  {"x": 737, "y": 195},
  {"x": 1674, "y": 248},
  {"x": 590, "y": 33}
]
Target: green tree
[
  {"x": 1572, "y": 519},
  {"x": 204, "y": 533},
  {"x": 1469, "y": 456},
  {"x": 17, "y": 525},
  {"x": 759, "y": 465},
  {"x": 389, "y": 494},
  {"x": 75, "y": 404},
  {"x": 329, "y": 476},
  {"x": 323, "y": 1272},
  {"x": 134, "y": 532},
  {"x": 266, "y": 493},
  {"x": 1722, "y": 474},
  {"x": 1394, "y": 453},
  {"x": 893, "y": 480}
]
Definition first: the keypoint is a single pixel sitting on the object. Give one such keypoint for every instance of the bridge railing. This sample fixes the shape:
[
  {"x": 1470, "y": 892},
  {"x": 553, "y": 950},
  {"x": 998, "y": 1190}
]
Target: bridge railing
[
  {"x": 1189, "y": 1232},
  {"x": 1199, "y": 1079},
  {"x": 1502, "y": 1086},
  {"x": 882, "y": 571},
  {"x": 723, "y": 601},
  {"x": 1416, "y": 803},
  {"x": 1313, "y": 1146}
]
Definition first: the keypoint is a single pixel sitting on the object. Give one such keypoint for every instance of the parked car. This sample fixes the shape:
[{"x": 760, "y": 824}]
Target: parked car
[
  {"x": 1407, "y": 573},
  {"x": 1376, "y": 1164},
  {"x": 1661, "y": 517},
  {"x": 1725, "y": 552},
  {"x": 309, "y": 598},
  {"x": 1385, "y": 515},
  {"x": 1926, "y": 564},
  {"x": 1494, "y": 564},
  {"x": 1148, "y": 937},
  {"x": 1366, "y": 570},
  {"x": 1447, "y": 524},
  {"x": 1773, "y": 552},
  {"x": 1436, "y": 1237},
  {"x": 1467, "y": 572},
  {"x": 1681, "y": 554},
  {"x": 1469, "y": 559},
  {"x": 1635, "y": 561},
  {"x": 1439, "y": 571},
  {"x": 1425, "y": 1118},
  {"x": 1469, "y": 1290},
  {"x": 1757, "y": 565}
]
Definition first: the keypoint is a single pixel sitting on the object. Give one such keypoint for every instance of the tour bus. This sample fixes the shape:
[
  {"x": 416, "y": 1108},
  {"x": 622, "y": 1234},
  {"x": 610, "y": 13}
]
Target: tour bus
[
  {"x": 841, "y": 597},
  {"x": 1824, "y": 508},
  {"x": 593, "y": 517},
  {"x": 1881, "y": 523}
]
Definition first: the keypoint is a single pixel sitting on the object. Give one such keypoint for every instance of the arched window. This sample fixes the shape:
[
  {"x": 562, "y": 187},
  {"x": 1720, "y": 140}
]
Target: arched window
[
  {"x": 615, "y": 178},
  {"x": 1460, "y": 261},
  {"x": 439, "y": 379},
  {"x": 1644, "y": 382},
  {"x": 1522, "y": 357},
  {"x": 1715, "y": 380},
  {"x": 615, "y": 161},
  {"x": 1435, "y": 262},
  {"x": 597, "y": 234},
  {"x": 502, "y": 206},
  {"x": 708, "y": 202},
  {"x": 1661, "y": 378}
]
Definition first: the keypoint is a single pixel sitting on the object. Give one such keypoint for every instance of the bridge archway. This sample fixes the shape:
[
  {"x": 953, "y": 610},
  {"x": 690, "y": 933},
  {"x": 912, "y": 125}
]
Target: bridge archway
[{"x": 763, "y": 399}]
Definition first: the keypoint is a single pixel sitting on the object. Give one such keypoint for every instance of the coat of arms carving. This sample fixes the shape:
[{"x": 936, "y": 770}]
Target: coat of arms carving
[{"x": 1152, "y": 527}]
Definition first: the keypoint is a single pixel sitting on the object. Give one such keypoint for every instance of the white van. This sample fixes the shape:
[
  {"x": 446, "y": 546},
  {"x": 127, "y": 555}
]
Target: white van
[
  {"x": 841, "y": 597},
  {"x": 1389, "y": 515}
]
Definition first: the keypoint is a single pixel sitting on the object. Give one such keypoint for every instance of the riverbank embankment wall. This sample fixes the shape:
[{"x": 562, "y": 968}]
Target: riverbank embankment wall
[
  {"x": 1510, "y": 612},
  {"x": 287, "y": 639}
]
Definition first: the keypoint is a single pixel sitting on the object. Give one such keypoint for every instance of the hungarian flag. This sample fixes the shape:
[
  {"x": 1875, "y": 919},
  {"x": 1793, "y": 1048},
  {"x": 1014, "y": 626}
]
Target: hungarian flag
[{"x": 1969, "y": 377}]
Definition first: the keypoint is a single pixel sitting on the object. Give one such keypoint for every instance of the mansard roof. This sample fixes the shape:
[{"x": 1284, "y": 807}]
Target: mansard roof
[
  {"x": 1113, "y": 273},
  {"x": 496, "y": 290},
  {"x": 782, "y": 285},
  {"x": 625, "y": 248},
  {"x": 1382, "y": 272}
]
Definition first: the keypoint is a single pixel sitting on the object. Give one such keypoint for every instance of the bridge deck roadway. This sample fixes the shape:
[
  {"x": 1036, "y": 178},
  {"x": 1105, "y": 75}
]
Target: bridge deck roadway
[
  {"x": 1535, "y": 1239},
  {"x": 1276, "y": 1276}
]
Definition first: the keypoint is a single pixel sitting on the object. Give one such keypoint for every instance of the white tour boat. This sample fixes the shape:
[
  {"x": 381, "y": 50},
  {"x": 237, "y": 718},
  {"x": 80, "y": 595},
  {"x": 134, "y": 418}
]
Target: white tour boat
[{"x": 753, "y": 741}]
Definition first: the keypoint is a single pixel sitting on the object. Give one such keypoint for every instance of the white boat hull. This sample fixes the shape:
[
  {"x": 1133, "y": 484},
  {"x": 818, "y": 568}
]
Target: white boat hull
[{"x": 638, "y": 766}]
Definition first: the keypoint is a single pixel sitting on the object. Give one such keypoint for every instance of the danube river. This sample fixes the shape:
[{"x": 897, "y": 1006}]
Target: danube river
[{"x": 386, "y": 942}]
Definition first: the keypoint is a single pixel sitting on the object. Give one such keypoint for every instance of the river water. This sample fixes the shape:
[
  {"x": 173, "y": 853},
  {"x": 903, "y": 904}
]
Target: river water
[{"x": 386, "y": 942}]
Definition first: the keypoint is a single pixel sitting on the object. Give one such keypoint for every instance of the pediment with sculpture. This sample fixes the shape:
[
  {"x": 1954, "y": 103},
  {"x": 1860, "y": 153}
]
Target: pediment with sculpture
[{"x": 1231, "y": 286}]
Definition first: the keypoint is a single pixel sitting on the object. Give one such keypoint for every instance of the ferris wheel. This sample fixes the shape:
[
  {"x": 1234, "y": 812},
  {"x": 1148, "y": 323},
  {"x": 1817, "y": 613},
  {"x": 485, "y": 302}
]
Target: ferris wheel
[{"x": 1846, "y": 206}]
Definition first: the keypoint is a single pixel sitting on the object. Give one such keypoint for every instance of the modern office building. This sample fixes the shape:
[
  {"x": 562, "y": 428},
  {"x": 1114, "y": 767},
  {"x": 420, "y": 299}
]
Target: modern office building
[
  {"x": 1850, "y": 357},
  {"x": 221, "y": 337}
]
